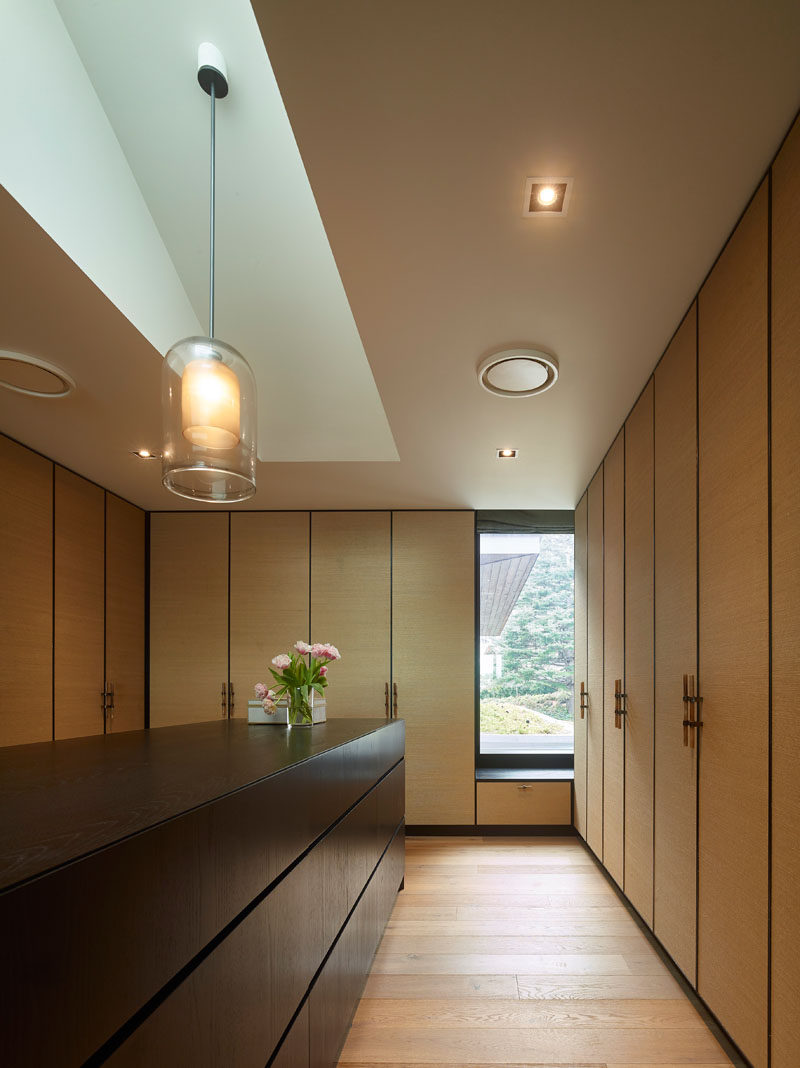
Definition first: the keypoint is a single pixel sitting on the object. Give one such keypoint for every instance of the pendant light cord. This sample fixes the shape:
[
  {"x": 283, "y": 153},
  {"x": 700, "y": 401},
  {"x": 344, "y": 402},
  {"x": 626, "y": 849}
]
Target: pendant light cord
[{"x": 211, "y": 241}]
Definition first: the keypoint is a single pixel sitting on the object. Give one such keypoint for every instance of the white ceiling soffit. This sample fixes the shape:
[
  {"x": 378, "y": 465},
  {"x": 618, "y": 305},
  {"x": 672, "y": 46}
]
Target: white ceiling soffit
[
  {"x": 280, "y": 300},
  {"x": 62, "y": 162}
]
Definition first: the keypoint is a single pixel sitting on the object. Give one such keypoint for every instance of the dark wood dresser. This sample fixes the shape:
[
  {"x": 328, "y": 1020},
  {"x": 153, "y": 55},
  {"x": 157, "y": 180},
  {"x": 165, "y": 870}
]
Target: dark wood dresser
[{"x": 210, "y": 894}]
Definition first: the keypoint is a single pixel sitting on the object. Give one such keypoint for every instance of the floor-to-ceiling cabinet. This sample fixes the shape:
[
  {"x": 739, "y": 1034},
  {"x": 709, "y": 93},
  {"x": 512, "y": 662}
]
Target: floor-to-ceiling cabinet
[
  {"x": 124, "y": 615},
  {"x": 785, "y": 393},
  {"x": 189, "y": 617},
  {"x": 614, "y": 658},
  {"x": 351, "y": 573},
  {"x": 26, "y": 590},
  {"x": 581, "y": 664},
  {"x": 433, "y": 649},
  {"x": 638, "y": 682},
  {"x": 675, "y": 608},
  {"x": 594, "y": 645},
  {"x": 734, "y": 635}
]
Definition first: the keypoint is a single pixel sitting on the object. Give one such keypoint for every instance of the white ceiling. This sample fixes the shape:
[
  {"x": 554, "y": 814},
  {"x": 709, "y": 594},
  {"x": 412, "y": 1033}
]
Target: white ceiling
[{"x": 417, "y": 124}]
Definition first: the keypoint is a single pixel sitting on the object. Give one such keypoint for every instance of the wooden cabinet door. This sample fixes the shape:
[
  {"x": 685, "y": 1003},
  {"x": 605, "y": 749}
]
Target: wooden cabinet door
[
  {"x": 125, "y": 613},
  {"x": 433, "y": 661},
  {"x": 269, "y": 595},
  {"x": 581, "y": 666},
  {"x": 594, "y": 641},
  {"x": 351, "y": 606},
  {"x": 26, "y": 596},
  {"x": 675, "y": 793},
  {"x": 188, "y": 616},
  {"x": 639, "y": 655},
  {"x": 734, "y": 636},
  {"x": 613, "y": 656},
  {"x": 78, "y": 606},
  {"x": 785, "y": 604}
]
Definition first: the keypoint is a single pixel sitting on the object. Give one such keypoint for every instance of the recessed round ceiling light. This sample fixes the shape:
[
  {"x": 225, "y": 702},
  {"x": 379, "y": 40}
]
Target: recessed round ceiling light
[
  {"x": 146, "y": 454},
  {"x": 32, "y": 376},
  {"x": 547, "y": 195},
  {"x": 518, "y": 372}
]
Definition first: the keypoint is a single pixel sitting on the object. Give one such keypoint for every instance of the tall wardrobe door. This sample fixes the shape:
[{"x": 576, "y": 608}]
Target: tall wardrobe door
[
  {"x": 594, "y": 639},
  {"x": 639, "y": 655},
  {"x": 675, "y": 869},
  {"x": 785, "y": 605},
  {"x": 79, "y": 616},
  {"x": 351, "y": 606},
  {"x": 125, "y": 552},
  {"x": 188, "y": 616},
  {"x": 734, "y": 636},
  {"x": 269, "y": 595},
  {"x": 581, "y": 666},
  {"x": 613, "y": 656},
  {"x": 26, "y": 595},
  {"x": 433, "y": 624}
]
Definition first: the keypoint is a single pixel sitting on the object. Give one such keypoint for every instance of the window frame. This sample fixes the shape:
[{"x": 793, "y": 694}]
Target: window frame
[{"x": 514, "y": 522}]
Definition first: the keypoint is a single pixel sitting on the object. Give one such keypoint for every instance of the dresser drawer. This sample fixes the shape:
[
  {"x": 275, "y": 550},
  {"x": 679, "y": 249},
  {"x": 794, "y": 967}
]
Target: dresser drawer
[{"x": 534, "y": 803}]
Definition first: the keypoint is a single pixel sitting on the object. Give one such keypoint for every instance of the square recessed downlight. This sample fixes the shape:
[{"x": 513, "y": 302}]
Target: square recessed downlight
[
  {"x": 507, "y": 454},
  {"x": 546, "y": 196}
]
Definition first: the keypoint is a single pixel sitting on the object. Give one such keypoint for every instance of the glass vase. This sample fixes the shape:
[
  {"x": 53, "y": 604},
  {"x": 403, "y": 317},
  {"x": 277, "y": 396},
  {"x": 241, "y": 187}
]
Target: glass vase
[{"x": 301, "y": 703}]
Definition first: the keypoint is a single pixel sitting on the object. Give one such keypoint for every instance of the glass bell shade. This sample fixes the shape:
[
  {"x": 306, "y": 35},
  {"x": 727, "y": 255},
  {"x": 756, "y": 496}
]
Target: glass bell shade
[{"x": 209, "y": 413}]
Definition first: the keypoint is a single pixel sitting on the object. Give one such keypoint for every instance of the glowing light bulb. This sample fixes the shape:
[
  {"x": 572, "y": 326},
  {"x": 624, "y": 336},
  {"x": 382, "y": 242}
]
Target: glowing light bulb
[
  {"x": 547, "y": 196},
  {"x": 210, "y": 404}
]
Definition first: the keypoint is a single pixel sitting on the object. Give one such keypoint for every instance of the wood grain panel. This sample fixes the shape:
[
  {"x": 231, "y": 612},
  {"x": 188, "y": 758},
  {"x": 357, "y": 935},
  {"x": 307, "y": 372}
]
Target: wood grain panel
[
  {"x": 78, "y": 605},
  {"x": 785, "y": 601},
  {"x": 639, "y": 655},
  {"x": 269, "y": 595},
  {"x": 675, "y": 867},
  {"x": 594, "y": 615},
  {"x": 613, "y": 656},
  {"x": 26, "y": 595},
  {"x": 351, "y": 606},
  {"x": 433, "y": 622},
  {"x": 188, "y": 616},
  {"x": 534, "y": 803},
  {"x": 294, "y": 1049},
  {"x": 125, "y": 590},
  {"x": 581, "y": 663},
  {"x": 734, "y": 636}
]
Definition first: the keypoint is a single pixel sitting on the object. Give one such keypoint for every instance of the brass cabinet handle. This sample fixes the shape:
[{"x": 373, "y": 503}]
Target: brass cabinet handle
[
  {"x": 386, "y": 700},
  {"x": 619, "y": 696},
  {"x": 230, "y": 699},
  {"x": 107, "y": 696},
  {"x": 224, "y": 695},
  {"x": 394, "y": 700},
  {"x": 691, "y": 700},
  {"x": 584, "y": 700}
]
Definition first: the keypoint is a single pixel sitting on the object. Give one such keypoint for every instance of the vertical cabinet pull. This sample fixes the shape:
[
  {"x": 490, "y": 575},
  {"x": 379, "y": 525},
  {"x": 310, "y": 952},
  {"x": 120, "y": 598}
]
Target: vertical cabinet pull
[
  {"x": 619, "y": 697},
  {"x": 230, "y": 700},
  {"x": 224, "y": 695},
  {"x": 107, "y": 696},
  {"x": 584, "y": 701},
  {"x": 394, "y": 700},
  {"x": 386, "y": 700},
  {"x": 691, "y": 718}
]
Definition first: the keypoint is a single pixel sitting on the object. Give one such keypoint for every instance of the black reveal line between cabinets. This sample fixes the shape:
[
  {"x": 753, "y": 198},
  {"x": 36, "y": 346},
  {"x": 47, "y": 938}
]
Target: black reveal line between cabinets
[
  {"x": 730, "y": 1048},
  {"x": 104, "y": 684},
  {"x": 603, "y": 661},
  {"x": 231, "y": 698},
  {"x": 698, "y": 689},
  {"x": 476, "y": 667},
  {"x": 304, "y": 1001},
  {"x": 391, "y": 610},
  {"x": 624, "y": 700},
  {"x": 147, "y": 620},
  {"x": 655, "y": 717},
  {"x": 113, "y": 1043},
  {"x": 769, "y": 617},
  {"x": 310, "y": 529}
]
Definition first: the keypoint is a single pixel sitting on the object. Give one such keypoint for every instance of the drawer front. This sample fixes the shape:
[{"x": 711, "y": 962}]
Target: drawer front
[{"x": 524, "y": 803}]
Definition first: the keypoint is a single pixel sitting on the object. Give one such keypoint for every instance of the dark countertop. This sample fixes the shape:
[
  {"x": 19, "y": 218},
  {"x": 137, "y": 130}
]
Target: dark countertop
[{"x": 61, "y": 800}]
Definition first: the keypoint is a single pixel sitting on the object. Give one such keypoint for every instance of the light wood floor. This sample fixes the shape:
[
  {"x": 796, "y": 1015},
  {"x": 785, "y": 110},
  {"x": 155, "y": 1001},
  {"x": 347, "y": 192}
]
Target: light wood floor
[{"x": 516, "y": 951}]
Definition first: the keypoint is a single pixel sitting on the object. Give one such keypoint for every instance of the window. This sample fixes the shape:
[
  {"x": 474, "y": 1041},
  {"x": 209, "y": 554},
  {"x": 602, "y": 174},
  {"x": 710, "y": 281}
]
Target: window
[{"x": 526, "y": 647}]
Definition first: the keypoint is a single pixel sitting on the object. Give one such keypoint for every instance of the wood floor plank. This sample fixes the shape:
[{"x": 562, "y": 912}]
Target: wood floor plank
[
  {"x": 495, "y": 1012},
  {"x": 525, "y": 1045},
  {"x": 598, "y": 899},
  {"x": 515, "y": 925},
  {"x": 597, "y": 988},
  {"x": 444, "y": 986},
  {"x": 500, "y": 964},
  {"x": 629, "y": 946}
]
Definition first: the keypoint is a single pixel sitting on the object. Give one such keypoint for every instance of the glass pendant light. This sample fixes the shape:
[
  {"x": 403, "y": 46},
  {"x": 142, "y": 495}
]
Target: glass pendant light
[{"x": 208, "y": 388}]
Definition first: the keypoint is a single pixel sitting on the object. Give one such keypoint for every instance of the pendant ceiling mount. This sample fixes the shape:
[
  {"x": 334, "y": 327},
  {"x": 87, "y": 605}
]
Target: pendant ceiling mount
[{"x": 208, "y": 388}]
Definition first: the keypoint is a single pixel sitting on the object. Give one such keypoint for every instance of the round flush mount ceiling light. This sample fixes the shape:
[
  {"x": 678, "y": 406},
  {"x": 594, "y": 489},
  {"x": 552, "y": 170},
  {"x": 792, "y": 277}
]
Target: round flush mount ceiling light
[
  {"x": 518, "y": 372},
  {"x": 33, "y": 377}
]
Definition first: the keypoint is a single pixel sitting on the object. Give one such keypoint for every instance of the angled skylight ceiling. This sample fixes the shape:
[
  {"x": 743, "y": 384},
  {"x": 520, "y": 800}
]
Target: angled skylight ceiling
[{"x": 107, "y": 148}]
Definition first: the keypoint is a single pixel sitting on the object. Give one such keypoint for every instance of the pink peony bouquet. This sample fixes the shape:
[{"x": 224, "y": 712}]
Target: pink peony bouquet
[{"x": 298, "y": 675}]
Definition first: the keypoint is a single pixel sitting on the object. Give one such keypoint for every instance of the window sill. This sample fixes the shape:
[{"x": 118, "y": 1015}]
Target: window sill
[{"x": 524, "y": 774}]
